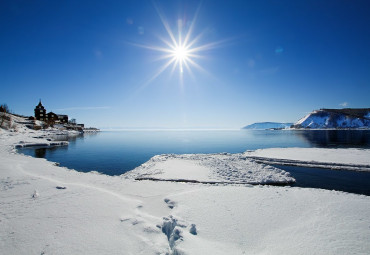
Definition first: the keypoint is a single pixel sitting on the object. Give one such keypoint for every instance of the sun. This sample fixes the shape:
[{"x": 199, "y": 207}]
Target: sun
[
  {"x": 180, "y": 47},
  {"x": 180, "y": 53},
  {"x": 181, "y": 56}
]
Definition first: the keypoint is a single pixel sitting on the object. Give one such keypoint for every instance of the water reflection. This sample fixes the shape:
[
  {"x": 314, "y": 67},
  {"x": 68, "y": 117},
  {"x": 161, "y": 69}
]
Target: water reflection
[
  {"x": 62, "y": 137},
  {"x": 114, "y": 153},
  {"x": 45, "y": 152},
  {"x": 40, "y": 152},
  {"x": 336, "y": 138}
]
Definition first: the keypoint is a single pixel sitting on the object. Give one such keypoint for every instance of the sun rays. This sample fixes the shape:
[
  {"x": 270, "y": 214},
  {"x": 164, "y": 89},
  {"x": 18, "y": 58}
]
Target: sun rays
[
  {"x": 179, "y": 51},
  {"x": 180, "y": 48}
]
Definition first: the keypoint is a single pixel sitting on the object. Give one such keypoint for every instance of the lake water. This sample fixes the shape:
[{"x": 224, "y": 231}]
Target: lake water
[{"x": 114, "y": 153}]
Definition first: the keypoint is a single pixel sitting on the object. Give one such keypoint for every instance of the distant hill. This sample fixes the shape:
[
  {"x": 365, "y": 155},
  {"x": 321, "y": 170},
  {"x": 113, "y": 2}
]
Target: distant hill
[
  {"x": 336, "y": 118},
  {"x": 268, "y": 125}
]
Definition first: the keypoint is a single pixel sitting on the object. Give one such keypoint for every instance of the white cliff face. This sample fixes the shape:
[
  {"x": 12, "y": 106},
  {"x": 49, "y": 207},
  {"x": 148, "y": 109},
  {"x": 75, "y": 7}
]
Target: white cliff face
[{"x": 329, "y": 119}]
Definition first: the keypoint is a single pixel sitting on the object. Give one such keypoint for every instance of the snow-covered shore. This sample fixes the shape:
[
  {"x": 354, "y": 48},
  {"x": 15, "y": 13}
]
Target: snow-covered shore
[
  {"x": 45, "y": 209},
  {"x": 336, "y": 159}
]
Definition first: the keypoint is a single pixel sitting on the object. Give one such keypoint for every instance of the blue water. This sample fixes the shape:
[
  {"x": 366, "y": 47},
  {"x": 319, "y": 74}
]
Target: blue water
[
  {"x": 114, "y": 153},
  {"x": 348, "y": 181}
]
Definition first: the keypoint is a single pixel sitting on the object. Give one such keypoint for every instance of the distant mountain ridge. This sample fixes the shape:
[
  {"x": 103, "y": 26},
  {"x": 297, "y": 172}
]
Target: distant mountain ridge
[
  {"x": 268, "y": 125},
  {"x": 336, "y": 118}
]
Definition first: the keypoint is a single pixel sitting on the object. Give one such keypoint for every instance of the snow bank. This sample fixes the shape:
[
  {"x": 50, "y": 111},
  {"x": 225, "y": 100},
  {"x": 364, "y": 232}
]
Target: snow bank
[
  {"x": 340, "y": 159},
  {"x": 23, "y": 144},
  {"x": 209, "y": 168}
]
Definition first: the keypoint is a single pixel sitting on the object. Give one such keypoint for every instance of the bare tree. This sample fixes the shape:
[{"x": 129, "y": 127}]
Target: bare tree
[
  {"x": 73, "y": 121},
  {"x": 5, "y": 118}
]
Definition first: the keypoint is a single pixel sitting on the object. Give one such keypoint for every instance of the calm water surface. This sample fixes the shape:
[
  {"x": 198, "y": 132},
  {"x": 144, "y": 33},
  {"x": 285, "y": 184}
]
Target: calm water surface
[{"x": 114, "y": 153}]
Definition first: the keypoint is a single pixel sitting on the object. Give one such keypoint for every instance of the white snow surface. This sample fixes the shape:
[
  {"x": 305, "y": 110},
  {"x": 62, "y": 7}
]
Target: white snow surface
[
  {"x": 321, "y": 155},
  {"x": 45, "y": 209},
  {"x": 225, "y": 167}
]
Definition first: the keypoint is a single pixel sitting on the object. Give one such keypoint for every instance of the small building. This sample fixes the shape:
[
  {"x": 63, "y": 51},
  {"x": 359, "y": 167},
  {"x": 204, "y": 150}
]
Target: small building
[
  {"x": 63, "y": 118},
  {"x": 40, "y": 112},
  {"x": 52, "y": 117},
  {"x": 57, "y": 118}
]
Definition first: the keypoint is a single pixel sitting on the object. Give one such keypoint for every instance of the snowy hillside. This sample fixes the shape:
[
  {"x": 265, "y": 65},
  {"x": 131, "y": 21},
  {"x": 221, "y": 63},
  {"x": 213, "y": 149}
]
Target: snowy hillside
[
  {"x": 336, "y": 118},
  {"x": 267, "y": 125}
]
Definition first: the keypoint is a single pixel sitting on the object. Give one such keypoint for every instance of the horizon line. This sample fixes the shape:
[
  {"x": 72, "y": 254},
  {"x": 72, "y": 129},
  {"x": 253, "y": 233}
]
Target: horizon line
[{"x": 169, "y": 129}]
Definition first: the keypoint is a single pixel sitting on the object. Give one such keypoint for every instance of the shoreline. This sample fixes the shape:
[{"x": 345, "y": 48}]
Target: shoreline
[
  {"x": 48, "y": 209},
  {"x": 311, "y": 164}
]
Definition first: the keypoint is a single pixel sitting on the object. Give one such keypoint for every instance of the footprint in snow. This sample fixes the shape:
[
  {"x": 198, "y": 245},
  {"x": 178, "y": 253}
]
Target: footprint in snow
[
  {"x": 171, "y": 204},
  {"x": 35, "y": 194},
  {"x": 193, "y": 229}
]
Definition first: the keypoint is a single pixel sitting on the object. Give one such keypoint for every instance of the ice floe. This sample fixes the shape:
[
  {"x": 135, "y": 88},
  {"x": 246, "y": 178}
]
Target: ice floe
[{"x": 209, "y": 168}]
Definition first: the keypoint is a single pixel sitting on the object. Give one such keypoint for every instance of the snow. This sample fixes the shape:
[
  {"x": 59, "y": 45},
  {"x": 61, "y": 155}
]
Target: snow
[
  {"x": 47, "y": 209},
  {"x": 325, "y": 119},
  {"x": 330, "y": 156},
  {"x": 206, "y": 168},
  {"x": 266, "y": 220},
  {"x": 23, "y": 144}
]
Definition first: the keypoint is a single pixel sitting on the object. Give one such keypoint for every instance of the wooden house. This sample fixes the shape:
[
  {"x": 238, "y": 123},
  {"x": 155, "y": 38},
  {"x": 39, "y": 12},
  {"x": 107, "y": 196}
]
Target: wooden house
[
  {"x": 52, "y": 117},
  {"x": 62, "y": 118},
  {"x": 40, "y": 112}
]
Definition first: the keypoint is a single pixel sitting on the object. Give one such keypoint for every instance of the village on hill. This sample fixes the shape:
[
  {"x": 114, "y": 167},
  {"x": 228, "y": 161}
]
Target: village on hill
[{"x": 43, "y": 120}]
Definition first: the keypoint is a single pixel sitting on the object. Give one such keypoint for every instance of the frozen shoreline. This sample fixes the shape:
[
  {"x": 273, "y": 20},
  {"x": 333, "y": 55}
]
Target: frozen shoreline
[
  {"x": 336, "y": 159},
  {"x": 47, "y": 209}
]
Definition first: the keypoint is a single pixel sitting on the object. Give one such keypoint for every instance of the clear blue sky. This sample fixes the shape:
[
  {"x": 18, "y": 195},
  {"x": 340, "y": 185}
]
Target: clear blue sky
[{"x": 270, "y": 60}]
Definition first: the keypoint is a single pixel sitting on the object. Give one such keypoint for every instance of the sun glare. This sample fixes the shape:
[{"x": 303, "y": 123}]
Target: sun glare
[
  {"x": 181, "y": 48},
  {"x": 181, "y": 55}
]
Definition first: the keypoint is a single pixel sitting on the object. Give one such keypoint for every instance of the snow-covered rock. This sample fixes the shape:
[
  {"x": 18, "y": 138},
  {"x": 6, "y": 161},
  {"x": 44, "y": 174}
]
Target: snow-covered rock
[{"x": 335, "y": 118}]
